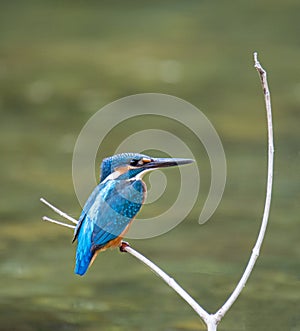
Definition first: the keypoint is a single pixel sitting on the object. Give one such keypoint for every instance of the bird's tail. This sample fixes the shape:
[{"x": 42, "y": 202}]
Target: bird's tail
[
  {"x": 82, "y": 263},
  {"x": 84, "y": 255}
]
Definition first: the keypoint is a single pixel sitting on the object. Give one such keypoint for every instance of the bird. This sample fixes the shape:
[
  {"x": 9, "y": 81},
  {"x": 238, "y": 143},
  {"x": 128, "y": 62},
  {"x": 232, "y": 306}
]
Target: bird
[{"x": 113, "y": 204}]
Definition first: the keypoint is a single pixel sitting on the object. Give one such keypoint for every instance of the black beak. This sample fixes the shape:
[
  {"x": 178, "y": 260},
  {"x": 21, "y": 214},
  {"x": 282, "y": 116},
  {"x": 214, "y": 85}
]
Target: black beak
[{"x": 165, "y": 162}]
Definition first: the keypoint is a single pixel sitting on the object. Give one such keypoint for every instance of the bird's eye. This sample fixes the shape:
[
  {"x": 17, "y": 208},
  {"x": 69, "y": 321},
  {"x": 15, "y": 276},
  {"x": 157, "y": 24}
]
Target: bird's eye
[
  {"x": 135, "y": 162},
  {"x": 139, "y": 162}
]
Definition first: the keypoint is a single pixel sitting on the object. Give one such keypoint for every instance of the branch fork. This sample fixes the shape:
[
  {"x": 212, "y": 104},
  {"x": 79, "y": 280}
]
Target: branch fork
[{"x": 211, "y": 320}]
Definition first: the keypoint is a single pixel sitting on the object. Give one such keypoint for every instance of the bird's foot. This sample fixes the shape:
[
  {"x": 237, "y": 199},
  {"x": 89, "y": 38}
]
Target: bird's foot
[{"x": 123, "y": 246}]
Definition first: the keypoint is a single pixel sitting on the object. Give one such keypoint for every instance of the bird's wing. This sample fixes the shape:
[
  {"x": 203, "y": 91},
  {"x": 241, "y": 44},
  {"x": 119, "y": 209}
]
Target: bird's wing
[
  {"x": 85, "y": 210},
  {"x": 105, "y": 216},
  {"x": 114, "y": 209}
]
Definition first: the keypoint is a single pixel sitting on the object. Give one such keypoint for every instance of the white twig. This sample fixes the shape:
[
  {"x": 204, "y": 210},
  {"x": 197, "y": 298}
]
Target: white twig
[
  {"x": 171, "y": 282},
  {"x": 255, "y": 252},
  {"x": 59, "y": 212},
  {"x": 212, "y": 320},
  {"x": 48, "y": 219}
]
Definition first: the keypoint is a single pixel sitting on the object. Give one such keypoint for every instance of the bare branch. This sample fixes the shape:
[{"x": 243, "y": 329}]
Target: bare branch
[
  {"x": 171, "y": 282},
  {"x": 255, "y": 252},
  {"x": 59, "y": 212},
  {"x": 212, "y": 320},
  {"x": 48, "y": 219}
]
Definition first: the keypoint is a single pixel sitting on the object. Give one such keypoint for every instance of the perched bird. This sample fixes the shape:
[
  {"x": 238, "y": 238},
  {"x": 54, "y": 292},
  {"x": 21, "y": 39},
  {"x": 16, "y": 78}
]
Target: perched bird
[{"x": 112, "y": 206}]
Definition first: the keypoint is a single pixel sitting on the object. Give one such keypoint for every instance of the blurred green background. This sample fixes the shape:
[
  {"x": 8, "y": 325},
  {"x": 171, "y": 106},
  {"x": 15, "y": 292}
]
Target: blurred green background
[{"x": 60, "y": 62}]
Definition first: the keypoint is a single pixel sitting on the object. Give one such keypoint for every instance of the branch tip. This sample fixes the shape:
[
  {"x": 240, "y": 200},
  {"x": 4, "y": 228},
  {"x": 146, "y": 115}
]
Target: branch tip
[
  {"x": 48, "y": 219},
  {"x": 255, "y": 57}
]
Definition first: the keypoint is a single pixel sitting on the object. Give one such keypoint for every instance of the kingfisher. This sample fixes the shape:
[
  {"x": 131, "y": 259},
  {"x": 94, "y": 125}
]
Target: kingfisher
[{"x": 113, "y": 204}]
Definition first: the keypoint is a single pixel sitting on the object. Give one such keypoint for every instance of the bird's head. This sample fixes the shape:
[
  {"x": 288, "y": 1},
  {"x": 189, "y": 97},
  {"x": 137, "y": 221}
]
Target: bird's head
[{"x": 130, "y": 165}]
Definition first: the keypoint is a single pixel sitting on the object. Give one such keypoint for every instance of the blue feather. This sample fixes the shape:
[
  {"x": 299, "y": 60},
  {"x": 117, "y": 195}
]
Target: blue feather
[{"x": 106, "y": 214}]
